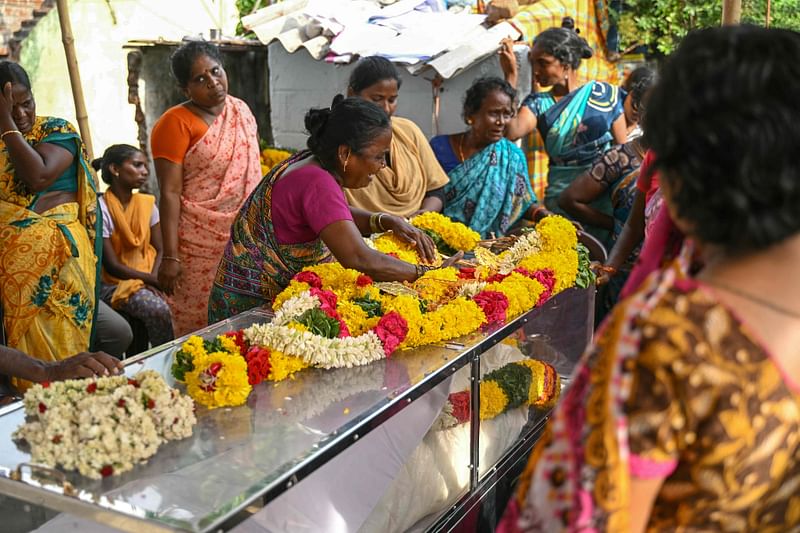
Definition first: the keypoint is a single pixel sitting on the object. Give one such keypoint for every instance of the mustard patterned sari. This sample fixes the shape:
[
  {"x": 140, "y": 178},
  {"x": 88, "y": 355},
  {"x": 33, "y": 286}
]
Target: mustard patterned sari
[{"x": 49, "y": 261}]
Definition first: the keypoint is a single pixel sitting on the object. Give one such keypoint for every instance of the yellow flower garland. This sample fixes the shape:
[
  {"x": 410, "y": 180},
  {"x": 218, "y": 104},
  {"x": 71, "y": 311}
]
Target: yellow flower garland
[
  {"x": 388, "y": 243},
  {"x": 522, "y": 293},
  {"x": 230, "y": 388},
  {"x": 435, "y": 284},
  {"x": 456, "y": 235},
  {"x": 493, "y": 400},
  {"x": 284, "y": 366}
]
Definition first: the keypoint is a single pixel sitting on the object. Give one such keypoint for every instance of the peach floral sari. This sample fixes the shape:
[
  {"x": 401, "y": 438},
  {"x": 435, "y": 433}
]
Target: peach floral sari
[{"x": 219, "y": 173}]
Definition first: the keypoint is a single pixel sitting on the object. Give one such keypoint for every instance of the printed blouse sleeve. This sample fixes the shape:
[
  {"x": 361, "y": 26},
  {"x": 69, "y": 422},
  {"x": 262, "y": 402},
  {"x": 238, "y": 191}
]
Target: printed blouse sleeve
[{"x": 607, "y": 169}]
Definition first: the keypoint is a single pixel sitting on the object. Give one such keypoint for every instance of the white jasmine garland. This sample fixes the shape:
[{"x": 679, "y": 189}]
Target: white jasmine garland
[
  {"x": 470, "y": 289},
  {"x": 528, "y": 244},
  {"x": 294, "y": 307},
  {"x": 103, "y": 426},
  {"x": 316, "y": 350}
]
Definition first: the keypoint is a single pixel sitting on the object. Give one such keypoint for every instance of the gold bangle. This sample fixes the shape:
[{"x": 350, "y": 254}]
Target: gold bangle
[
  {"x": 3, "y": 135},
  {"x": 380, "y": 221},
  {"x": 373, "y": 227},
  {"x": 170, "y": 258}
]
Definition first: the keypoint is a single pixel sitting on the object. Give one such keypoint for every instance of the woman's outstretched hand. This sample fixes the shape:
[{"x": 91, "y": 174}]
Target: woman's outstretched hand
[{"x": 412, "y": 235}]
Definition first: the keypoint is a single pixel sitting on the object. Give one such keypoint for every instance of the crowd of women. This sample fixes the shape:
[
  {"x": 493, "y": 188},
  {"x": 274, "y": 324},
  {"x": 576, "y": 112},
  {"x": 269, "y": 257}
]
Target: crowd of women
[
  {"x": 685, "y": 411},
  {"x": 78, "y": 265}
]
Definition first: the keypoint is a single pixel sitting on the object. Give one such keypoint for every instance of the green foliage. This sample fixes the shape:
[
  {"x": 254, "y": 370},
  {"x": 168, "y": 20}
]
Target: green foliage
[
  {"x": 442, "y": 246},
  {"x": 586, "y": 276},
  {"x": 515, "y": 380},
  {"x": 319, "y": 323},
  {"x": 182, "y": 364},
  {"x": 370, "y": 306},
  {"x": 245, "y": 7},
  {"x": 662, "y": 24}
]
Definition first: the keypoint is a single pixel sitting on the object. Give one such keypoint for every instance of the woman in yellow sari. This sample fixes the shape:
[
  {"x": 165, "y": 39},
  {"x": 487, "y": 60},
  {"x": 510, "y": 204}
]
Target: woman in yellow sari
[{"x": 48, "y": 228}]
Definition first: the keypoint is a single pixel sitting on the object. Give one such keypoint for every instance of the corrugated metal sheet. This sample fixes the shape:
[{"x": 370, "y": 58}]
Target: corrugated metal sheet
[{"x": 415, "y": 33}]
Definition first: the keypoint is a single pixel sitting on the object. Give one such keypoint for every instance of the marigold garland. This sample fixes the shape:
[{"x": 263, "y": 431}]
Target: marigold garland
[
  {"x": 525, "y": 382},
  {"x": 454, "y": 234},
  {"x": 330, "y": 316},
  {"x": 219, "y": 379}
]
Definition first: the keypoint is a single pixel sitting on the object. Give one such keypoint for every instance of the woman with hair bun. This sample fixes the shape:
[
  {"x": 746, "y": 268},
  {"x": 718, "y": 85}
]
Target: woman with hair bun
[
  {"x": 577, "y": 122},
  {"x": 132, "y": 247},
  {"x": 207, "y": 161},
  {"x": 298, "y": 216}
]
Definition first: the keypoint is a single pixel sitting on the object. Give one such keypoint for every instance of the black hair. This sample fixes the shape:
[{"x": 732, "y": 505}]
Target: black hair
[
  {"x": 371, "y": 70},
  {"x": 638, "y": 83},
  {"x": 350, "y": 121},
  {"x": 565, "y": 45},
  {"x": 722, "y": 121},
  {"x": 569, "y": 24},
  {"x": 184, "y": 56},
  {"x": 116, "y": 154},
  {"x": 480, "y": 89},
  {"x": 11, "y": 72}
]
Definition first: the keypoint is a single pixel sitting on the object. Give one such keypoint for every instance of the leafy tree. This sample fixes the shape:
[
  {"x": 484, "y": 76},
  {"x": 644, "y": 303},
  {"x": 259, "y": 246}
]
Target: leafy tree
[{"x": 661, "y": 24}]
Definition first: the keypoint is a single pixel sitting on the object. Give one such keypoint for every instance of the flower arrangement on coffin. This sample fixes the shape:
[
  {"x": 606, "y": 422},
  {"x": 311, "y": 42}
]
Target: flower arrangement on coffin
[
  {"x": 333, "y": 317},
  {"x": 521, "y": 383},
  {"x": 450, "y": 237},
  {"x": 103, "y": 426}
]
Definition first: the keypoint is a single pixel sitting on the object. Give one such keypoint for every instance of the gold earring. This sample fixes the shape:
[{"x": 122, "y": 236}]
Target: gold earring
[
  {"x": 344, "y": 165},
  {"x": 469, "y": 121}
]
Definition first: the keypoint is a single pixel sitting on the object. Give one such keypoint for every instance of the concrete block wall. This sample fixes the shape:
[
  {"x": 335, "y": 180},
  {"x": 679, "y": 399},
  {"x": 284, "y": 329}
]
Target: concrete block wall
[{"x": 298, "y": 82}]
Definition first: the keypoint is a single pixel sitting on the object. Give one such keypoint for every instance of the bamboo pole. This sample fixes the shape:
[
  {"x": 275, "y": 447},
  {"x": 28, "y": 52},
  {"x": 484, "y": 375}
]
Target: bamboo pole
[
  {"x": 769, "y": 12},
  {"x": 731, "y": 12},
  {"x": 74, "y": 74}
]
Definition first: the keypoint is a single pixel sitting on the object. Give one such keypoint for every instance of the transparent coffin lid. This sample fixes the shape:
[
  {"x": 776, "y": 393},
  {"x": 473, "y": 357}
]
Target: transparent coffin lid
[{"x": 236, "y": 454}]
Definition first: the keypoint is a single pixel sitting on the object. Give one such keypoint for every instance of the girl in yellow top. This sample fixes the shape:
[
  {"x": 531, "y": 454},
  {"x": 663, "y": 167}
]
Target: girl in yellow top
[{"x": 132, "y": 242}]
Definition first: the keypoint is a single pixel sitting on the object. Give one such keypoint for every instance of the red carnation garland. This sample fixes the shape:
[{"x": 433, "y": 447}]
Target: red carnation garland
[
  {"x": 258, "y": 364},
  {"x": 311, "y": 278},
  {"x": 391, "y": 329},
  {"x": 494, "y": 305}
]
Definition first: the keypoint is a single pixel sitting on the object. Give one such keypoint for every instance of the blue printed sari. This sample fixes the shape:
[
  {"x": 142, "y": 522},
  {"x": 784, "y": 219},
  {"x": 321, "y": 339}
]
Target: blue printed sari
[
  {"x": 576, "y": 130},
  {"x": 490, "y": 191}
]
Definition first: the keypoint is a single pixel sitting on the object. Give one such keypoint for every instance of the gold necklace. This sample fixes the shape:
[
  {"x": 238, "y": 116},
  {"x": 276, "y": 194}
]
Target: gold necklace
[
  {"x": 460, "y": 146},
  {"x": 755, "y": 299}
]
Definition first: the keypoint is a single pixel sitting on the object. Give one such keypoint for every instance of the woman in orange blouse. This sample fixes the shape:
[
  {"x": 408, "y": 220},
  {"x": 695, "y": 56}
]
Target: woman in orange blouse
[{"x": 207, "y": 163}]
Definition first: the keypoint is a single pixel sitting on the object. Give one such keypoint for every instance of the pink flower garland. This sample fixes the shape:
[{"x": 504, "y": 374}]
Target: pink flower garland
[
  {"x": 493, "y": 304},
  {"x": 391, "y": 329}
]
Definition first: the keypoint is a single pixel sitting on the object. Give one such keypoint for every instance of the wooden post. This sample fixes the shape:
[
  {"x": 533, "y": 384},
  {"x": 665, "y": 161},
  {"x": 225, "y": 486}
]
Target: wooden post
[
  {"x": 74, "y": 74},
  {"x": 731, "y": 12},
  {"x": 769, "y": 12}
]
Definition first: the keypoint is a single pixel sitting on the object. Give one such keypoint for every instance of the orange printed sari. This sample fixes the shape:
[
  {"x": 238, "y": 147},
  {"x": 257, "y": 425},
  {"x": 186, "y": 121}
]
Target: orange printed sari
[{"x": 219, "y": 173}]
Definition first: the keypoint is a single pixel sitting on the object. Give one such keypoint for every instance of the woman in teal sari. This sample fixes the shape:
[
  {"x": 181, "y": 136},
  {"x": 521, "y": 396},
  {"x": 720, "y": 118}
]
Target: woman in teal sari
[
  {"x": 577, "y": 123},
  {"x": 489, "y": 189}
]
